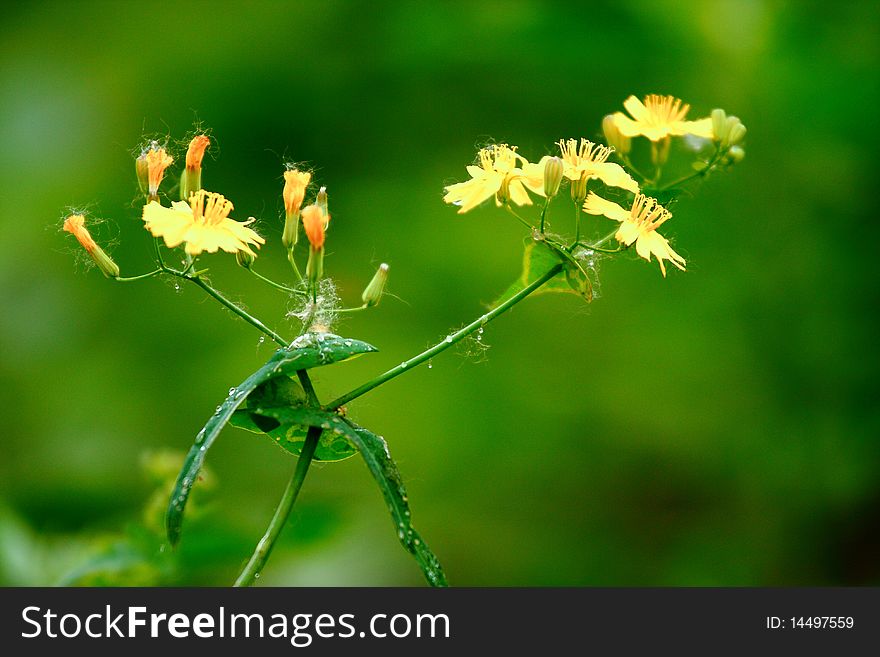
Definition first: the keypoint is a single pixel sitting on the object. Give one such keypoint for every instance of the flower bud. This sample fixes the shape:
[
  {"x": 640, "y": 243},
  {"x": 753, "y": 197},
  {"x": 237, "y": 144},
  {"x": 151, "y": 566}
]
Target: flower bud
[
  {"x": 321, "y": 202},
  {"x": 142, "y": 170},
  {"x": 579, "y": 189},
  {"x": 373, "y": 292},
  {"x": 157, "y": 161},
  {"x": 315, "y": 225},
  {"x": 719, "y": 125},
  {"x": 613, "y": 138},
  {"x": 244, "y": 259},
  {"x": 295, "y": 183},
  {"x": 553, "y": 169},
  {"x": 191, "y": 178},
  {"x": 75, "y": 225},
  {"x": 736, "y": 154},
  {"x": 736, "y": 134}
]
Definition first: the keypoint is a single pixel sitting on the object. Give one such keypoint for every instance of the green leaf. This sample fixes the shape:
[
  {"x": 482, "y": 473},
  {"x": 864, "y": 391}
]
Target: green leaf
[
  {"x": 538, "y": 259},
  {"x": 263, "y": 413},
  {"x": 315, "y": 349},
  {"x": 307, "y": 351},
  {"x": 375, "y": 453}
]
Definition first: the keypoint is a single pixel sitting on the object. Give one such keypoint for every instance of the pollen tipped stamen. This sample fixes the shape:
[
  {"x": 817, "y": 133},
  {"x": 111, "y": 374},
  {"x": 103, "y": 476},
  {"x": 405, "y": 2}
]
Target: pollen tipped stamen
[{"x": 664, "y": 110}]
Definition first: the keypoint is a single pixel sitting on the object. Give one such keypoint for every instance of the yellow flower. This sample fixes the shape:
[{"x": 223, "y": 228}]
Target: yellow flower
[
  {"x": 586, "y": 159},
  {"x": 659, "y": 117},
  {"x": 499, "y": 175},
  {"x": 639, "y": 224},
  {"x": 203, "y": 224}
]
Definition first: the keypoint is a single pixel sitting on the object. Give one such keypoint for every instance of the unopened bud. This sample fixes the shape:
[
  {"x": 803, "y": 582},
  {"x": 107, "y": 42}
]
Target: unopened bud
[
  {"x": 75, "y": 225},
  {"x": 321, "y": 201},
  {"x": 142, "y": 170},
  {"x": 315, "y": 225},
  {"x": 373, "y": 292},
  {"x": 579, "y": 189},
  {"x": 244, "y": 259},
  {"x": 295, "y": 183},
  {"x": 736, "y": 154},
  {"x": 613, "y": 138},
  {"x": 736, "y": 134},
  {"x": 157, "y": 161},
  {"x": 191, "y": 178},
  {"x": 719, "y": 124},
  {"x": 553, "y": 169}
]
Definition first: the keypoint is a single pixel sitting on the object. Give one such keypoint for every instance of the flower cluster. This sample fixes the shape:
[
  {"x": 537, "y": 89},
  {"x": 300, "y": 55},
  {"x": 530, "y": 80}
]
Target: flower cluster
[
  {"x": 201, "y": 223},
  {"x": 503, "y": 173}
]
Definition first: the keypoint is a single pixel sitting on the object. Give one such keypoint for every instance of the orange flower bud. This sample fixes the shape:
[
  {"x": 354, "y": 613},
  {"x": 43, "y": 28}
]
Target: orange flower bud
[
  {"x": 75, "y": 224},
  {"x": 157, "y": 161},
  {"x": 295, "y": 183},
  {"x": 315, "y": 225},
  {"x": 196, "y": 151}
]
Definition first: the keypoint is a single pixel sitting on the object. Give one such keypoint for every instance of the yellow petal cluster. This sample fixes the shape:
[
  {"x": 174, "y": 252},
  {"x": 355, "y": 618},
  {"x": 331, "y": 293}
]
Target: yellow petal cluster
[
  {"x": 203, "y": 225},
  {"x": 586, "y": 159},
  {"x": 500, "y": 174},
  {"x": 659, "y": 117},
  {"x": 639, "y": 224}
]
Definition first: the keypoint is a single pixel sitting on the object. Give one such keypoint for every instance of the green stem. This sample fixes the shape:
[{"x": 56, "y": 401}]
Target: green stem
[
  {"x": 577, "y": 223},
  {"x": 520, "y": 219},
  {"x": 630, "y": 166},
  {"x": 676, "y": 183},
  {"x": 308, "y": 388},
  {"x": 603, "y": 240},
  {"x": 699, "y": 174},
  {"x": 447, "y": 342},
  {"x": 277, "y": 286},
  {"x": 590, "y": 247},
  {"x": 292, "y": 262},
  {"x": 544, "y": 212},
  {"x": 128, "y": 279},
  {"x": 264, "y": 548},
  {"x": 159, "y": 259},
  {"x": 237, "y": 310},
  {"x": 352, "y": 310}
]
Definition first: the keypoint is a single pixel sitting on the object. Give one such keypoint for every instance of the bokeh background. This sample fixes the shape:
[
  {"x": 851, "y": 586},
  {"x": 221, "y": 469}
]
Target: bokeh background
[{"x": 719, "y": 427}]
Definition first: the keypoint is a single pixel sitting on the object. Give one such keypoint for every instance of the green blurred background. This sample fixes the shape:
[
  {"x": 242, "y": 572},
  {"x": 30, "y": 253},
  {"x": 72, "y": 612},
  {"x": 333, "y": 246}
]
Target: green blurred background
[{"x": 718, "y": 427}]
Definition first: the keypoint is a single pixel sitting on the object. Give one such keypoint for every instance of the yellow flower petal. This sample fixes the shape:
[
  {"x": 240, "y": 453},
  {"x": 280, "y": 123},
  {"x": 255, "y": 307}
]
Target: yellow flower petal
[
  {"x": 629, "y": 232},
  {"x": 203, "y": 225},
  {"x": 597, "y": 205},
  {"x": 636, "y": 108},
  {"x": 614, "y": 175},
  {"x": 498, "y": 164},
  {"x": 659, "y": 117}
]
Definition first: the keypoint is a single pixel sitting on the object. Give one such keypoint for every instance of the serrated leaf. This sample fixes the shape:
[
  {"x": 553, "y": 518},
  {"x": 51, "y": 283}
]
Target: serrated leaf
[
  {"x": 375, "y": 453},
  {"x": 307, "y": 351}
]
